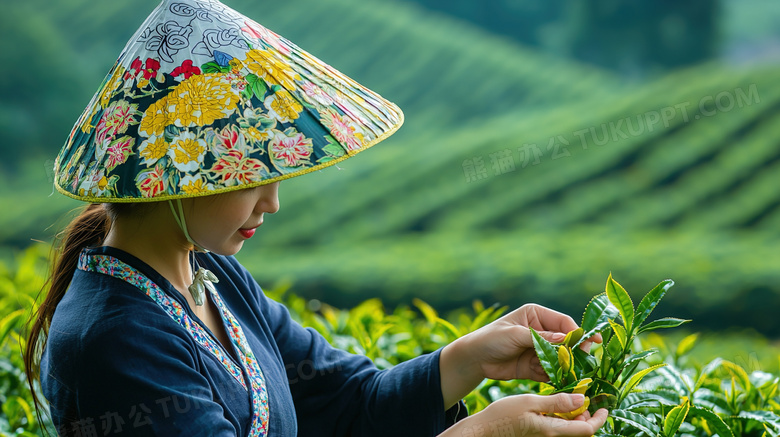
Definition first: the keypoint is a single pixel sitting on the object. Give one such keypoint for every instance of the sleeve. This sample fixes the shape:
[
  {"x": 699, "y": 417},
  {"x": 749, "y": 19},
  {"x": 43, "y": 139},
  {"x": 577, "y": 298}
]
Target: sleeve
[
  {"x": 337, "y": 393},
  {"x": 139, "y": 377}
]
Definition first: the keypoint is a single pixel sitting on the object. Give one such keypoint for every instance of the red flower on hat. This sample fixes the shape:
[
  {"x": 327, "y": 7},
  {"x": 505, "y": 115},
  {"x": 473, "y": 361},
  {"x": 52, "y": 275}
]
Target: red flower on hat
[
  {"x": 237, "y": 168},
  {"x": 136, "y": 67},
  {"x": 186, "y": 68},
  {"x": 152, "y": 65},
  {"x": 226, "y": 139}
]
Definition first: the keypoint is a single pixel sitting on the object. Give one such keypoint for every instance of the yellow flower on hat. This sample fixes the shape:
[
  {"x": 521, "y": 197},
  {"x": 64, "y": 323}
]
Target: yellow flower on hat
[
  {"x": 187, "y": 152},
  {"x": 282, "y": 106},
  {"x": 194, "y": 185},
  {"x": 202, "y": 99},
  {"x": 264, "y": 64},
  {"x": 197, "y": 101},
  {"x": 116, "y": 79},
  {"x": 156, "y": 118},
  {"x": 153, "y": 149}
]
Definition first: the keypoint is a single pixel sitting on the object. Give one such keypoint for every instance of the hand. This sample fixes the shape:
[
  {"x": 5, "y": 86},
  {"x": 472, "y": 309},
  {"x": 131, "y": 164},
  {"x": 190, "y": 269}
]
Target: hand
[
  {"x": 505, "y": 349},
  {"x": 502, "y": 350},
  {"x": 524, "y": 416}
]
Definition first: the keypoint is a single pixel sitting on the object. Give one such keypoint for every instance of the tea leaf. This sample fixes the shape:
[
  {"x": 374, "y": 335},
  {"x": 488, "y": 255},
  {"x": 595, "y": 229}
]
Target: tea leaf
[
  {"x": 584, "y": 361},
  {"x": 674, "y": 380},
  {"x": 622, "y": 301},
  {"x": 582, "y": 386},
  {"x": 546, "y": 389},
  {"x": 675, "y": 418},
  {"x": 686, "y": 344},
  {"x": 638, "y": 421},
  {"x": 717, "y": 425},
  {"x": 486, "y": 316},
  {"x": 767, "y": 418},
  {"x": 631, "y": 362},
  {"x": 666, "y": 322},
  {"x": 639, "y": 356},
  {"x": 650, "y": 301},
  {"x": 634, "y": 380},
  {"x": 738, "y": 373},
  {"x": 565, "y": 359},
  {"x": 426, "y": 310},
  {"x": 651, "y": 398},
  {"x": 615, "y": 348},
  {"x": 603, "y": 400},
  {"x": 596, "y": 317},
  {"x": 706, "y": 371},
  {"x": 603, "y": 386},
  {"x": 620, "y": 333},
  {"x": 449, "y": 326},
  {"x": 548, "y": 356},
  {"x": 10, "y": 322},
  {"x": 573, "y": 337},
  {"x": 713, "y": 401}
]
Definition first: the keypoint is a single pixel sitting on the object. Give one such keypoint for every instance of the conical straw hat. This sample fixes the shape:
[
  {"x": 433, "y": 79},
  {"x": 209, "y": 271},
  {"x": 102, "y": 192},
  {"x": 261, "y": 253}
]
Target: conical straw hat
[{"x": 204, "y": 100}]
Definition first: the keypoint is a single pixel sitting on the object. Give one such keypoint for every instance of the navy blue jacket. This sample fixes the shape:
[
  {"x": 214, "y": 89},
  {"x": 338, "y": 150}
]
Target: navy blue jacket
[{"x": 117, "y": 364}]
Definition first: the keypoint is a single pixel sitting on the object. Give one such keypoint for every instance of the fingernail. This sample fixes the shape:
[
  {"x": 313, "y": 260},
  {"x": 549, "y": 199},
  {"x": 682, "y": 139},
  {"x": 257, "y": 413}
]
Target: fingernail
[
  {"x": 578, "y": 399},
  {"x": 558, "y": 336}
]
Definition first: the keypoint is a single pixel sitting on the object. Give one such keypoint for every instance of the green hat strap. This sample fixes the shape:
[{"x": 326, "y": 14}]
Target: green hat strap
[{"x": 183, "y": 224}]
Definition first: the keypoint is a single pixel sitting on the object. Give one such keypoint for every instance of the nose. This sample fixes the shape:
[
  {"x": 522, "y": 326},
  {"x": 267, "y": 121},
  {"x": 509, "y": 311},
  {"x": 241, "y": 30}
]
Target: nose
[{"x": 269, "y": 198}]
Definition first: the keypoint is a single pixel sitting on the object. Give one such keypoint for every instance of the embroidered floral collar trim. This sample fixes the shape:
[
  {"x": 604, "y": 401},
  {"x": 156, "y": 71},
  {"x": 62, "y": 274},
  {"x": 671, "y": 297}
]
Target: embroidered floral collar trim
[{"x": 114, "y": 267}]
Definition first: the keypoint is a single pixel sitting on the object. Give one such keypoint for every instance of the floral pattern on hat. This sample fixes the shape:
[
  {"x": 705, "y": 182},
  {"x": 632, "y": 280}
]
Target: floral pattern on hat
[{"x": 204, "y": 100}]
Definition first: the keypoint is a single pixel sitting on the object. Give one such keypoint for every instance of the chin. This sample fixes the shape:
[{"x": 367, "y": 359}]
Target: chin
[{"x": 228, "y": 251}]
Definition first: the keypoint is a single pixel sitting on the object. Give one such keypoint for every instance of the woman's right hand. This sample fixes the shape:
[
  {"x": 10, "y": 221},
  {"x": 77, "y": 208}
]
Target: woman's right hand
[{"x": 524, "y": 416}]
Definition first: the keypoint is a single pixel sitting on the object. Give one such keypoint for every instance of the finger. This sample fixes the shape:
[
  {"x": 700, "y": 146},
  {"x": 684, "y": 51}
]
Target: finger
[
  {"x": 542, "y": 318},
  {"x": 584, "y": 416},
  {"x": 587, "y": 344},
  {"x": 552, "y": 337},
  {"x": 583, "y": 428},
  {"x": 558, "y": 403},
  {"x": 598, "y": 419}
]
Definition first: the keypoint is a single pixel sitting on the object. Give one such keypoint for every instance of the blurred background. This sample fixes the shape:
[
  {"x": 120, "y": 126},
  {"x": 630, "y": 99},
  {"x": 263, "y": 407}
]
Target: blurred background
[{"x": 546, "y": 144}]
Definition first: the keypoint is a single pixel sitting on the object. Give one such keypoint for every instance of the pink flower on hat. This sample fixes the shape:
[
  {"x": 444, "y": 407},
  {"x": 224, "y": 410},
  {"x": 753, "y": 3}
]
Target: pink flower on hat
[{"x": 291, "y": 147}]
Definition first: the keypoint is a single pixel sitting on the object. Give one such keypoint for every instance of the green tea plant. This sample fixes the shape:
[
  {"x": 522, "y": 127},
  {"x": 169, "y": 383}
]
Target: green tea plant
[
  {"x": 19, "y": 285},
  {"x": 647, "y": 383},
  {"x": 607, "y": 379}
]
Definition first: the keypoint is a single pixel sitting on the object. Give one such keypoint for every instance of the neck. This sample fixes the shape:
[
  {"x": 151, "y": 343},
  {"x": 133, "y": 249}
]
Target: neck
[{"x": 155, "y": 239}]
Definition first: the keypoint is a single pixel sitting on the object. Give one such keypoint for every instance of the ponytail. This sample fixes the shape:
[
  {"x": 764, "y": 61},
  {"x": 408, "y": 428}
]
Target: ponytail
[{"x": 89, "y": 229}]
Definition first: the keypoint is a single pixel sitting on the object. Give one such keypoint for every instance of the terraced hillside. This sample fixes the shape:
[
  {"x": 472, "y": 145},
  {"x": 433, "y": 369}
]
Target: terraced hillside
[
  {"x": 648, "y": 158},
  {"x": 687, "y": 188}
]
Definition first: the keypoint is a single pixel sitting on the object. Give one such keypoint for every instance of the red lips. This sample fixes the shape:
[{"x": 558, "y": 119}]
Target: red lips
[{"x": 246, "y": 233}]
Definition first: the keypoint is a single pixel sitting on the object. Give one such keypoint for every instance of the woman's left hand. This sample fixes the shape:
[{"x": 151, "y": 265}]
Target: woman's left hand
[{"x": 502, "y": 350}]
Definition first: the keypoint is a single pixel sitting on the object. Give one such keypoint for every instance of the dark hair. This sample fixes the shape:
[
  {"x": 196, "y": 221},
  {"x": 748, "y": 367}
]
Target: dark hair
[{"x": 88, "y": 229}]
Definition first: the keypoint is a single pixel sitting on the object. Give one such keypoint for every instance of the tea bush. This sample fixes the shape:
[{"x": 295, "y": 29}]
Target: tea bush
[{"x": 647, "y": 383}]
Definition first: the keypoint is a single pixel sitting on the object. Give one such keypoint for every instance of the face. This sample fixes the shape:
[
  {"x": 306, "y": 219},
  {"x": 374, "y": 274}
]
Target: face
[{"x": 222, "y": 222}]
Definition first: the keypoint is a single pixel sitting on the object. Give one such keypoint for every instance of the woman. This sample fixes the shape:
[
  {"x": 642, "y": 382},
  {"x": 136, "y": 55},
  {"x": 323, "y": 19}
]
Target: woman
[{"x": 151, "y": 326}]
